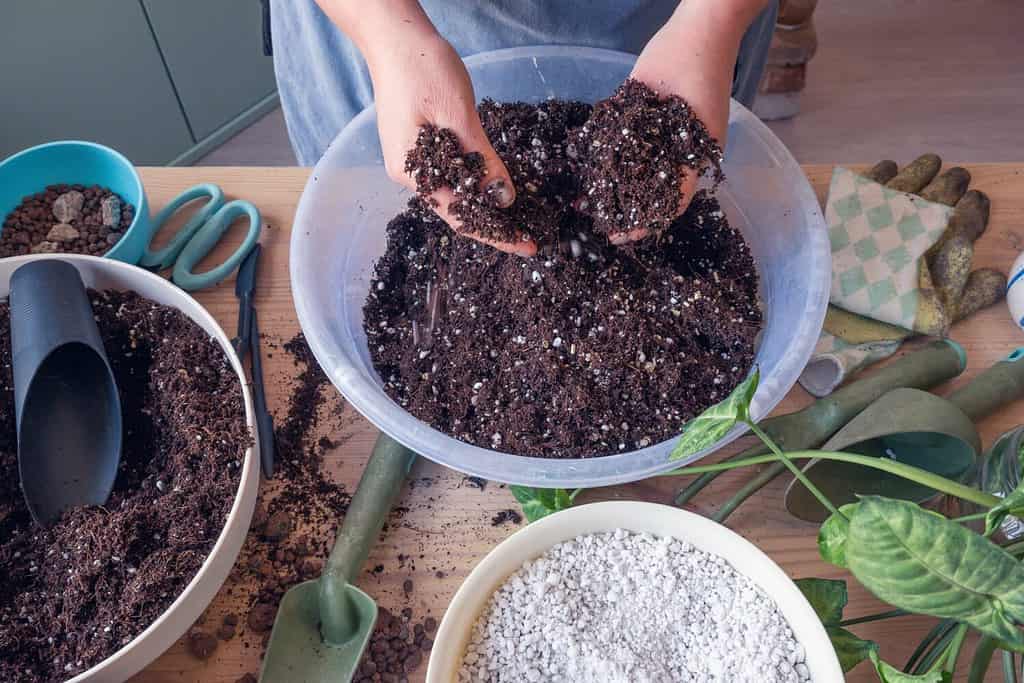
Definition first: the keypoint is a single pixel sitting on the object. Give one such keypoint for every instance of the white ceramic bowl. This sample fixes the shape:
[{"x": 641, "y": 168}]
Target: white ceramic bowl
[
  {"x": 100, "y": 273},
  {"x": 661, "y": 520}
]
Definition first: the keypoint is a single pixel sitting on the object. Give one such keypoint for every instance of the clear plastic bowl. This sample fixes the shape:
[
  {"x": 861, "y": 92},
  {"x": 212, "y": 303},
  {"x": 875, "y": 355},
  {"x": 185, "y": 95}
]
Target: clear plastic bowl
[{"x": 339, "y": 234}]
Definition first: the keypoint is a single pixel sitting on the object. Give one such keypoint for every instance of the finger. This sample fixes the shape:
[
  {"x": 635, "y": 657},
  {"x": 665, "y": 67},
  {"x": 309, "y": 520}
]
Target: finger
[
  {"x": 525, "y": 247},
  {"x": 882, "y": 172},
  {"x": 947, "y": 187},
  {"x": 985, "y": 286},
  {"x": 627, "y": 237},
  {"x": 687, "y": 188},
  {"x": 444, "y": 197},
  {"x": 971, "y": 215},
  {"x": 916, "y": 174},
  {"x": 497, "y": 183}
]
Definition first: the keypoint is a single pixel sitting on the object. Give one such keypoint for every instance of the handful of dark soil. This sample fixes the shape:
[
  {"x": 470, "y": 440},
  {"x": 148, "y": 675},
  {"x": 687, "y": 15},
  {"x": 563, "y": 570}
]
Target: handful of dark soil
[
  {"x": 66, "y": 219},
  {"x": 75, "y": 593},
  {"x": 532, "y": 142},
  {"x": 620, "y": 162},
  {"x": 634, "y": 153}
]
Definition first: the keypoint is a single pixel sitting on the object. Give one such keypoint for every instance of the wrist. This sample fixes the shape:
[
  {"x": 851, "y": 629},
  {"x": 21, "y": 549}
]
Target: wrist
[
  {"x": 726, "y": 18},
  {"x": 408, "y": 42}
]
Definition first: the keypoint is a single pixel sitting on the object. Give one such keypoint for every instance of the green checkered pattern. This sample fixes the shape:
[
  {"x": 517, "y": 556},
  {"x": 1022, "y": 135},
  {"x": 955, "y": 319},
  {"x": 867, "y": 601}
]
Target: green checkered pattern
[{"x": 878, "y": 237}]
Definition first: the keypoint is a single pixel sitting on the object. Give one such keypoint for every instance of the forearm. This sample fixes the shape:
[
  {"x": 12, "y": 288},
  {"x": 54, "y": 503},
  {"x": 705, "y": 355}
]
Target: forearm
[{"x": 385, "y": 24}]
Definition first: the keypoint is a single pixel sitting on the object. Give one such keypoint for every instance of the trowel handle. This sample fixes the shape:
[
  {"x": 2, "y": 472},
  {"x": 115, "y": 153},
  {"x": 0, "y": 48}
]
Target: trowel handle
[
  {"x": 925, "y": 368},
  {"x": 378, "y": 488},
  {"x": 993, "y": 388}
]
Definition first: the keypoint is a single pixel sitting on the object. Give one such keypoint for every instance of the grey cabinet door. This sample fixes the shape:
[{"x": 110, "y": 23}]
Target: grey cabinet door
[
  {"x": 73, "y": 69},
  {"x": 214, "y": 52}
]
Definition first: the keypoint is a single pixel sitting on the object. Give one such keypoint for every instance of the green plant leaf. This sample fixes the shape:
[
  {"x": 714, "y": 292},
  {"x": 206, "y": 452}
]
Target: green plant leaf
[
  {"x": 827, "y": 597},
  {"x": 890, "y": 674},
  {"x": 1013, "y": 504},
  {"x": 833, "y": 534},
  {"x": 850, "y": 649},
  {"x": 707, "y": 428},
  {"x": 922, "y": 562},
  {"x": 537, "y": 503}
]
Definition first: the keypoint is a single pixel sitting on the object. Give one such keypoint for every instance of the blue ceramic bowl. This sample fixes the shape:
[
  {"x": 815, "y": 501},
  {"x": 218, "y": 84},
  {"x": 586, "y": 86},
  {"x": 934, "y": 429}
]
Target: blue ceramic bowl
[{"x": 83, "y": 163}]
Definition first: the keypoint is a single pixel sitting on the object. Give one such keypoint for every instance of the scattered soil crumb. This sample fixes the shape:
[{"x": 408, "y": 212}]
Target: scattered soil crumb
[{"x": 504, "y": 516}]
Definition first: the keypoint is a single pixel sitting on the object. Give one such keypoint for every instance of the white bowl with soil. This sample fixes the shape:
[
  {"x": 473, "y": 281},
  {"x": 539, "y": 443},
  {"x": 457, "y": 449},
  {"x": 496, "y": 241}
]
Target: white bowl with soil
[
  {"x": 339, "y": 234},
  {"x": 658, "y": 521},
  {"x": 141, "y": 648}
]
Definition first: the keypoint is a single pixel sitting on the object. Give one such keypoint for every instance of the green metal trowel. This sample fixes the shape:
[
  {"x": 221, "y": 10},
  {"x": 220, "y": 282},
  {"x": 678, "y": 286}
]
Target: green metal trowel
[
  {"x": 323, "y": 625},
  {"x": 913, "y": 427}
]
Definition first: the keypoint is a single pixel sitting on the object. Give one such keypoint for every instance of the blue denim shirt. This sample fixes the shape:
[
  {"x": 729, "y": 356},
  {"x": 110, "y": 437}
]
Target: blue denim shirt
[{"x": 323, "y": 80}]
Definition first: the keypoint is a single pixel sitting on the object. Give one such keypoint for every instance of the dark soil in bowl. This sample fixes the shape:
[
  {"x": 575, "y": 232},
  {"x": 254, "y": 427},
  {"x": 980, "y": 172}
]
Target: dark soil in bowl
[
  {"x": 68, "y": 219},
  {"x": 586, "y": 349},
  {"x": 75, "y": 593}
]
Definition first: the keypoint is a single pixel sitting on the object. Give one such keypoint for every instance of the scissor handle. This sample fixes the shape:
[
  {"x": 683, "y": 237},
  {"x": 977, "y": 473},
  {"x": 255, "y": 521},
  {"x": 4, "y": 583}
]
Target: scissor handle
[
  {"x": 164, "y": 258},
  {"x": 207, "y": 237}
]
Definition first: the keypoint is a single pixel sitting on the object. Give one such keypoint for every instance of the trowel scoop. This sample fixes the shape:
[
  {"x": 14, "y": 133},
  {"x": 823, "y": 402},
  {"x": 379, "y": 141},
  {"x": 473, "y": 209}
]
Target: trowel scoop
[
  {"x": 66, "y": 404},
  {"x": 323, "y": 625},
  {"x": 913, "y": 427}
]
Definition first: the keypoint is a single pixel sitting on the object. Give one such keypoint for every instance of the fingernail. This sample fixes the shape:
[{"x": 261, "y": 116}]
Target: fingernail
[{"x": 500, "y": 193}]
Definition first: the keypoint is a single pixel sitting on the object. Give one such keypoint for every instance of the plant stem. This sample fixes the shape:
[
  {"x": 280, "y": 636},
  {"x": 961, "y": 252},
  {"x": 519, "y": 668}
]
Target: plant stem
[
  {"x": 748, "y": 489},
  {"x": 953, "y": 653},
  {"x": 1009, "y": 667},
  {"x": 909, "y": 472},
  {"x": 572, "y": 496},
  {"x": 970, "y": 518},
  {"x": 982, "y": 658},
  {"x": 690, "y": 491},
  {"x": 937, "y": 652},
  {"x": 874, "y": 617},
  {"x": 939, "y": 631},
  {"x": 797, "y": 472}
]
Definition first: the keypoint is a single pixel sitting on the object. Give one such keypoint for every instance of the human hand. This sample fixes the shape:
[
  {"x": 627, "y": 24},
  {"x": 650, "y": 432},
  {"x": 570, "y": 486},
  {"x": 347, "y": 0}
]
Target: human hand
[
  {"x": 425, "y": 82},
  {"x": 693, "y": 56}
]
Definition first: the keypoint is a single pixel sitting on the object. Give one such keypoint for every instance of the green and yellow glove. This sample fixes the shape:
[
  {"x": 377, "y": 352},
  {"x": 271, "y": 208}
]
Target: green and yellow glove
[{"x": 902, "y": 244}]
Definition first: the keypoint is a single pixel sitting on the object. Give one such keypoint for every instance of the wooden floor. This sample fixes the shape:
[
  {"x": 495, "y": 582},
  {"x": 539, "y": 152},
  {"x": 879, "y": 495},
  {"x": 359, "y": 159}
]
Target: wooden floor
[{"x": 892, "y": 79}]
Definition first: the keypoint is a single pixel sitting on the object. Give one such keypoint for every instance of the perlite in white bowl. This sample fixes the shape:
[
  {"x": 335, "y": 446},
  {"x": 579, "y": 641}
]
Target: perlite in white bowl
[{"x": 622, "y": 591}]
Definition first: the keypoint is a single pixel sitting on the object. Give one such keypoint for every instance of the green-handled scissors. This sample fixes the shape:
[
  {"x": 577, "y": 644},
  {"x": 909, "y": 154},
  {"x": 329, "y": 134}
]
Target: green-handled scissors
[{"x": 199, "y": 236}]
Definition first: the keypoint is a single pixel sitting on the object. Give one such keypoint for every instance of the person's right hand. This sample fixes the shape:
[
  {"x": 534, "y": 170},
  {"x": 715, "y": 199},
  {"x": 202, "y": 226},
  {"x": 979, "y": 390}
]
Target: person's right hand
[{"x": 424, "y": 81}]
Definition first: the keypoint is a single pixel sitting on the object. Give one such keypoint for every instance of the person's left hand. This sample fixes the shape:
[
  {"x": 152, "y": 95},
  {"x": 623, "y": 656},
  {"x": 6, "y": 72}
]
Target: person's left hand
[{"x": 693, "y": 56}]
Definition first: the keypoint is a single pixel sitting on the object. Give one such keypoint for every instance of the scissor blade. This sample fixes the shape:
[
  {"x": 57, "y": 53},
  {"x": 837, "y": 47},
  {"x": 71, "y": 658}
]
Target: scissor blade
[
  {"x": 245, "y": 285},
  {"x": 245, "y": 281}
]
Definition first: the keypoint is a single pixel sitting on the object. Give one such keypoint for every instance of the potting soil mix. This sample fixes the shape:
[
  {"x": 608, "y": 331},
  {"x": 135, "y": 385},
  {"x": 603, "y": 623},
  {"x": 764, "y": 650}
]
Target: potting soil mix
[
  {"x": 78, "y": 591},
  {"x": 587, "y": 348}
]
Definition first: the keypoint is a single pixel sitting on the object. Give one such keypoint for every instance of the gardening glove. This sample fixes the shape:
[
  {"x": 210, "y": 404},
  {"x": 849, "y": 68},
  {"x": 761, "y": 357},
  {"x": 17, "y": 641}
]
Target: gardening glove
[{"x": 902, "y": 245}]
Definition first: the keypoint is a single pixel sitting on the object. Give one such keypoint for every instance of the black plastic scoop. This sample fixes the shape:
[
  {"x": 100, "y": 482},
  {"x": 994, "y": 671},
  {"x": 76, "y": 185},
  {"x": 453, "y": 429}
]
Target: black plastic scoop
[{"x": 66, "y": 403}]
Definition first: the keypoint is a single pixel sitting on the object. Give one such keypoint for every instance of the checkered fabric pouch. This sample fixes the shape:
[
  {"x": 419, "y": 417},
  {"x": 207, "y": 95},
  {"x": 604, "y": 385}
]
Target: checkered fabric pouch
[{"x": 879, "y": 239}]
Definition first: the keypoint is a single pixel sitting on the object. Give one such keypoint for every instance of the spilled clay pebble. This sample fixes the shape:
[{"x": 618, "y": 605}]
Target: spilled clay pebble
[{"x": 622, "y": 607}]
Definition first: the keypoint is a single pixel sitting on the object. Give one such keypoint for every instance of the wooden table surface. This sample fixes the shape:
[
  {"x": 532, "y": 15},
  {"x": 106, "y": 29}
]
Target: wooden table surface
[{"x": 448, "y": 523}]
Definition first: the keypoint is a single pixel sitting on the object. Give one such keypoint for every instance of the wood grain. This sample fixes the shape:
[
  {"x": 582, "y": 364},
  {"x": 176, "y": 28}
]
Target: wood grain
[{"x": 448, "y": 524}]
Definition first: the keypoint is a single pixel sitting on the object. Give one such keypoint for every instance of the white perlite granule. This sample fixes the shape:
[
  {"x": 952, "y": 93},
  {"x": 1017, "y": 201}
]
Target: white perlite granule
[{"x": 622, "y": 606}]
